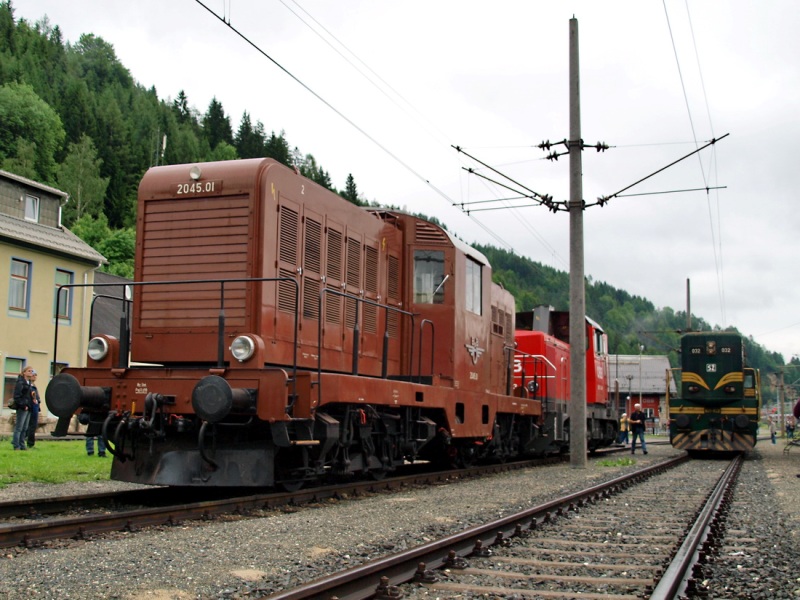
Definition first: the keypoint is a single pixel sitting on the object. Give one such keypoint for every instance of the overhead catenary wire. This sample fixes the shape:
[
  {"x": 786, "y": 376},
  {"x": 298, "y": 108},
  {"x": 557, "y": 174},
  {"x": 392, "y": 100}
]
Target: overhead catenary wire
[
  {"x": 603, "y": 199},
  {"x": 323, "y": 100},
  {"x": 717, "y": 252},
  {"x": 672, "y": 192},
  {"x": 535, "y": 196},
  {"x": 395, "y": 94},
  {"x": 349, "y": 121}
]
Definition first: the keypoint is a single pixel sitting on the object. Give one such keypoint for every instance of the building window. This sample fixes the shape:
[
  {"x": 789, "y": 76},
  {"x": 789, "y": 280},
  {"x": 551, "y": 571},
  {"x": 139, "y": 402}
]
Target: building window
[
  {"x": 11, "y": 370},
  {"x": 32, "y": 208},
  {"x": 18, "y": 291},
  {"x": 62, "y": 303},
  {"x": 474, "y": 287},
  {"x": 429, "y": 276}
]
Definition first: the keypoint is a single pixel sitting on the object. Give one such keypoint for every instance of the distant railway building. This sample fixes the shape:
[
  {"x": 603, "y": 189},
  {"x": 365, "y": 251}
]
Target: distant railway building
[{"x": 642, "y": 378}]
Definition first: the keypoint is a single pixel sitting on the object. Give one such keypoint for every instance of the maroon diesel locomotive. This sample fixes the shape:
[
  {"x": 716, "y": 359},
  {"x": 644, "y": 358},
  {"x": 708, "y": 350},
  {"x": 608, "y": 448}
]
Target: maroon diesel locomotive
[{"x": 279, "y": 335}]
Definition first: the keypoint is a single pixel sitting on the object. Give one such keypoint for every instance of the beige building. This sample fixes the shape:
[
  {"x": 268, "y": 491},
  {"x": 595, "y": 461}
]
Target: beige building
[{"x": 37, "y": 255}]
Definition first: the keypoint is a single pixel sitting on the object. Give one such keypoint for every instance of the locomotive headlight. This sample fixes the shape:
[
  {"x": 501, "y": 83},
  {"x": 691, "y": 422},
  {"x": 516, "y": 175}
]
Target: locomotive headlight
[
  {"x": 97, "y": 349},
  {"x": 242, "y": 348},
  {"x": 729, "y": 389}
]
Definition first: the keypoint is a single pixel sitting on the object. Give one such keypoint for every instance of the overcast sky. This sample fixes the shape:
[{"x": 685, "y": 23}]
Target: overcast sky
[{"x": 395, "y": 84}]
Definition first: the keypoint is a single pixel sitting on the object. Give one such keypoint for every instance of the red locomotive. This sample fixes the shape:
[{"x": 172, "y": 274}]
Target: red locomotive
[
  {"x": 281, "y": 335},
  {"x": 541, "y": 372}
]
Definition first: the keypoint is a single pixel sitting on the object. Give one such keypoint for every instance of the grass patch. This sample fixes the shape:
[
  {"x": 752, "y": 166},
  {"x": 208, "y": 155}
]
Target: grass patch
[
  {"x": 616, "y": 462},
  {"x": 51, "y": 462}
]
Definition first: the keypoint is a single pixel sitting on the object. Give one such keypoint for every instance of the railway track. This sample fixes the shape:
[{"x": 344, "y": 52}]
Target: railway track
[
  {"x": 32, "y": 522},
  {"x": 638, "y": 536},
  {"x": 172, "y": 498}
]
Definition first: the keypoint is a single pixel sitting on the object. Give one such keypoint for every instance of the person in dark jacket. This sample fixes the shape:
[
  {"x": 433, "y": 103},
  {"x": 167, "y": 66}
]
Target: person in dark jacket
[
  {"x": 23, "y": 405},
  {"x": 36, "y": 407},
  {"x": 83, "y": 419},
  {"x": 637, "y": 420}
]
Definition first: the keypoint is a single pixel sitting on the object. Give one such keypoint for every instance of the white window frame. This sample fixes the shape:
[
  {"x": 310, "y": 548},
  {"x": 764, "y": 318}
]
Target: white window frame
[
  {"x": 32, "y": 204},
  {"x": 66, "y": 294},
  {"x": 24, "y": 281}
]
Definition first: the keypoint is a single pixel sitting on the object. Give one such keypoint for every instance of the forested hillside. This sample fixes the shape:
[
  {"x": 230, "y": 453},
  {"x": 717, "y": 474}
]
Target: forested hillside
[
  {"x": 629, "y": 321},
  {"x": 71, "y": 116}
]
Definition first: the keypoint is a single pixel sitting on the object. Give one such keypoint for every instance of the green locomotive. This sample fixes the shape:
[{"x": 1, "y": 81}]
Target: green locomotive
[{"x": 718, "y": 407}]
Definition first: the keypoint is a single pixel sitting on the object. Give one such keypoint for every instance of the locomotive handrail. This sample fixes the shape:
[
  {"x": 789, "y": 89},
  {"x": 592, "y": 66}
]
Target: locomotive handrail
[
  {"x": 97, "y": 297},
  {"x": 537, "y": 358},
  {"x": 433, "y": 345},
  {"x": 221, "y": 320},
  {"x": 356, "y": 331},
  {"x": 509, "y": 353}
]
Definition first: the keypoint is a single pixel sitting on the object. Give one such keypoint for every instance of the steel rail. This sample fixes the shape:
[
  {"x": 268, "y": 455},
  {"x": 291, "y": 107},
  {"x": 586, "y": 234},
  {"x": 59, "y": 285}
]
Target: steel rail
[
  {"x": 377, "y": 578},
  {"x": 698, "y": 541}
]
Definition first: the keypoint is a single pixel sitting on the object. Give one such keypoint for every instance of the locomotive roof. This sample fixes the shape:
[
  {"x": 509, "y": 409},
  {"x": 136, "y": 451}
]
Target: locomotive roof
[
  {"x": 157, "y": 178},
  {"x": 457, "y": 243},
  {"x": 468, "y": 250}
]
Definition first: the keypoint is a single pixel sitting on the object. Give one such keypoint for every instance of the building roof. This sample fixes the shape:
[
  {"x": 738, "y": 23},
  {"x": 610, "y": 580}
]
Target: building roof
[
  {"x": 653, "y": 373},
  {"x": 33, "y": 184},
  {"x": 58, "y": 240}
]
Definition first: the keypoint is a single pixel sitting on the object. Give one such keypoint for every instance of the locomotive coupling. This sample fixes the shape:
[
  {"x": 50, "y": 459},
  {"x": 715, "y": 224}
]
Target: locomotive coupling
[{"x": 213, "y": 399}]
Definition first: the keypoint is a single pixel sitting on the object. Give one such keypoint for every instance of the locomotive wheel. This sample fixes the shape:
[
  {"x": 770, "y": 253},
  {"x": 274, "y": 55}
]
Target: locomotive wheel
[
  {"x": 291, "y": 485},
  {"x": 290, "y": 472},
  {"x": 377, "y": 474},
  {"x": 467, "y": 457}
]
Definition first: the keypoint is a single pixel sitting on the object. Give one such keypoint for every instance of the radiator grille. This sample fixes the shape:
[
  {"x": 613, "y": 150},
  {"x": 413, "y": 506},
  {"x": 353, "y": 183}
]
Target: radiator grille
[{"x": 193, "y": 240}]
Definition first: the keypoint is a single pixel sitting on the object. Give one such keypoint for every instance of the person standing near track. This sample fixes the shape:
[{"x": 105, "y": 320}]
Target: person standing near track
[
  {"x": 637, "y": 419},
  {"x": 623, "y": 429},
  {"x": 36, "y": 406},
  {"x": 22, "y": 404}
]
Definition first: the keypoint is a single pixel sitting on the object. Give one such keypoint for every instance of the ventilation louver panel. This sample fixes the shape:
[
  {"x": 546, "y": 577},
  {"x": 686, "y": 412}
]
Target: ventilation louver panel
[{"x": 194, "y": 239}]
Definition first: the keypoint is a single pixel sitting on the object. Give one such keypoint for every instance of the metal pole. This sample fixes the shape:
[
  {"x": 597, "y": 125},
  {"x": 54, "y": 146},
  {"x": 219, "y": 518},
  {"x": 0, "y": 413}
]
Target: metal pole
[
  {"x": 781, "y": 394},
  {"x": 577, "y": 291},
  {"x": 688, "y": 306},
  {"x": 640, "y": 372}
]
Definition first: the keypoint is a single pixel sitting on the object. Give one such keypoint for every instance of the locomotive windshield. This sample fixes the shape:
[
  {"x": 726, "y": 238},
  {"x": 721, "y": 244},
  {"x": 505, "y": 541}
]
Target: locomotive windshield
[{"x": 428, "y": 276}]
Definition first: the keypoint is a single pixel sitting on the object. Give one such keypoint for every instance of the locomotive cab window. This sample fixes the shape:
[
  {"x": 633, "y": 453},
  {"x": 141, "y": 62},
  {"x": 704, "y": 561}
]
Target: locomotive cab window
[
  {"x": 474, "y": 287},
  {"x": 599, "y": 346},
  {"x": 429, "y": 277},
  {"x": 749, "y": 381}
]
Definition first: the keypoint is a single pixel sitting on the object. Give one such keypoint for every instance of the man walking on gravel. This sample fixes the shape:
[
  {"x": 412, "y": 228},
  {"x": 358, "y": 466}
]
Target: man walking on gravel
[{"x": 636, "y": 421}]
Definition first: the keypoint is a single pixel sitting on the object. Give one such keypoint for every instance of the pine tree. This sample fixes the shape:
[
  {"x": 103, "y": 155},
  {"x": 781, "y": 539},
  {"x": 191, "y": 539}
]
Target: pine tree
[
  {"x": 216, "y": 125},
  {"x": 350, "y": 190}
]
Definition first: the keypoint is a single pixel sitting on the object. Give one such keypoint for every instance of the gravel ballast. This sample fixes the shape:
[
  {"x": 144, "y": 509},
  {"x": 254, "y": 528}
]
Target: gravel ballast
[{"x": 246, "y": 557}]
